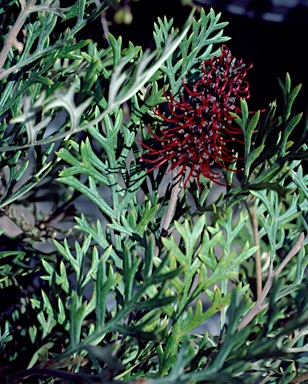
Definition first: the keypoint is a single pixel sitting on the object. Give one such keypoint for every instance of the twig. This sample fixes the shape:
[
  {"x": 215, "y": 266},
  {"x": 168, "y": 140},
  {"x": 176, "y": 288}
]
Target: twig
[
  {"x": 103, "y": 22},
  {"x": 292, "y": 253},
  {"x": 254, "y": 223},
  {"x": 300, "y": 378},
  {"x": 176, "y": 187},
  {"x": 259, "y": 305},
  {"x": 12, "y": 35}
]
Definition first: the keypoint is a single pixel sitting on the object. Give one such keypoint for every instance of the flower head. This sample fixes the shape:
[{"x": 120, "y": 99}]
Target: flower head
[{"x": 198, "y": 127}]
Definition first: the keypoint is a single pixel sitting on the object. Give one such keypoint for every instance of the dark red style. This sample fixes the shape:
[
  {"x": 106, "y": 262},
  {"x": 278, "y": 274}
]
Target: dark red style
[{"x": 198, "y": 127}]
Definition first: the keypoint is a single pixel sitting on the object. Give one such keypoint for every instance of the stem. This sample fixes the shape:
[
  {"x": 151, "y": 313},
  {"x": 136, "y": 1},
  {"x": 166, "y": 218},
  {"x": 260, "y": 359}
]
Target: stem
[
  {"x": 251, "y": 208},
  {"x": 103, "y": 22},
  {"x": 12, "y": 35},
  {"x": 176, "y": 188},
  {"x": 254, "y": 222},
  {"x": 223, "y": 311},
  {"x": 259, "y": 305},
  {"x": 300, "y": 378}
]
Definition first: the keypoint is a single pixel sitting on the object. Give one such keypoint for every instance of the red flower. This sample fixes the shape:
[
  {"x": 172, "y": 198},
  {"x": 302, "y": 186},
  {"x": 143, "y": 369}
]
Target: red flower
[{"x": 198, "y": 127}]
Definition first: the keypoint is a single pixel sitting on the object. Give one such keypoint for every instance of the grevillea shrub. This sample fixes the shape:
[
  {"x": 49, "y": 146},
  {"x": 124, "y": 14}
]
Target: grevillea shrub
[{"x": 117, "y": 269}]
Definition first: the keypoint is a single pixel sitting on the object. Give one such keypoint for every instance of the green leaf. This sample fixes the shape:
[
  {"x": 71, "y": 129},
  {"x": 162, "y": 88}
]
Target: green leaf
[
  {"x": 131, "y": 264},
  {"x": 105, "y": 281},
  {"x": 147, "y": 218},
  {"x": 155, "y": 303},
  {"x": 190, "y": 237},
  {"x": 6, "y": 336},
  {"x": 116, "y": 45},
  {"x": 205, "y": 253},
  {"x": 244, "y": 110},
  {"x": 299, "y": 180},
  {"x": 44, "y": 80},
  {"x": 175, "y": 251},
  {"x": 99, "y": 235},
  {"x": 288, "y": 83},
  {"x": 291, "y": 97},
  {"x": 48, "y": 308},
  {"x": 41, "y": 354},
  {"x": 161, "y": 278},
  {"x": 61, "y": 279},
  {"x": 66, "y": 52},
  {"x": 77, "y": 315},
  {"x": 291, "y": 124},
  {"x": 91, "y": 192},
  {"x": 200, "y": 317},
  {"x": 149, "y": 256},
  {"x": 252, "y": 156},
  {"x": 251, "y": 126},
  {"x": 47, "y": 325}
]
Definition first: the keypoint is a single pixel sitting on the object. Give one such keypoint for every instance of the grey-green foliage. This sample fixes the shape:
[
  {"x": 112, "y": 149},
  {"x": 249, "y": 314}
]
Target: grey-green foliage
[
  {"x": 195, "y": 48},
  {"x": 161, "y": 287},
  {"x": 148, "y": 289},
  {"x": 30, "y": 77},
  {"x": 125, "y": 300},
  {"x": 60, "y": 70},
  {"x": 128, "y": 73},
  {"x": 267, "y": 161}
]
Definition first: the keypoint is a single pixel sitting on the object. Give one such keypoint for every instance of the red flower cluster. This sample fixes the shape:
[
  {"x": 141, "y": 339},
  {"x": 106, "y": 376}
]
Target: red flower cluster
[{"x": 199, "y": 127}]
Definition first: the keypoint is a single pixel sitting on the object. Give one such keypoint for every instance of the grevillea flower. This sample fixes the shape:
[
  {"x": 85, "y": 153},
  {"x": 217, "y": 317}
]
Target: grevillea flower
[{"x": 198, "y": 128}]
